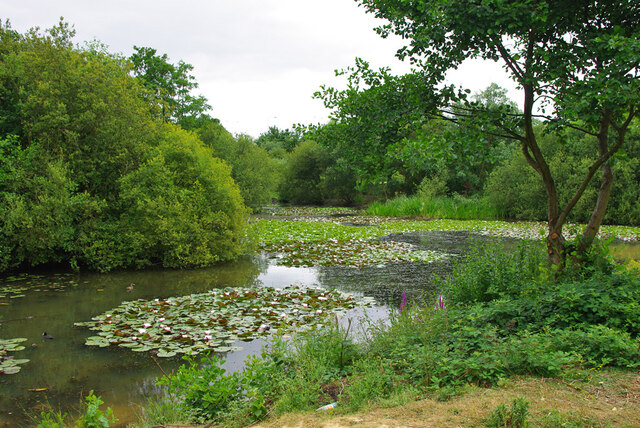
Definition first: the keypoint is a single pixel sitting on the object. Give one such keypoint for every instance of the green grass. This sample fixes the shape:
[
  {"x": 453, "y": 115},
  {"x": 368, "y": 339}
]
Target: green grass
[
  {"x": 502, "y": 317},
  {"x": 456, "y": 207}
]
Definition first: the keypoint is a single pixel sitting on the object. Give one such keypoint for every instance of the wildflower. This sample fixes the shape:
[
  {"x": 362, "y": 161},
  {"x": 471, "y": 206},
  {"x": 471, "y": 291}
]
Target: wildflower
[
  {"x": 147, "y": 325},
  {"x": 403, "y": 304},
  {"x": 441, "y": 303},
  {"x": 142, "y": 331}
]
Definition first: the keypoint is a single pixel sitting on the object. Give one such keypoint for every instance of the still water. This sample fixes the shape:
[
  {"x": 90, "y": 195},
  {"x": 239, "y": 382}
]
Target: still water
[{"x": 67, "y": 369}]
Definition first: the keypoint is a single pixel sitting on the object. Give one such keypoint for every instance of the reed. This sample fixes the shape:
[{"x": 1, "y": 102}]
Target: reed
[{"x": 450, "y": 207}]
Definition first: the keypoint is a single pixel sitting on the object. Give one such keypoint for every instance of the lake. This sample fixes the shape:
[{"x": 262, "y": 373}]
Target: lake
[{"x": 61, "y": 370}]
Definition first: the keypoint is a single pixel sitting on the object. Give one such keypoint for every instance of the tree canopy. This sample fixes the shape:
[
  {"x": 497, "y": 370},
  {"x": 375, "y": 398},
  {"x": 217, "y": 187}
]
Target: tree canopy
[
  {"x": 576, "y": 62},
  {"x": 169, "y": 85},
  {"x": 89, "y": 177}
]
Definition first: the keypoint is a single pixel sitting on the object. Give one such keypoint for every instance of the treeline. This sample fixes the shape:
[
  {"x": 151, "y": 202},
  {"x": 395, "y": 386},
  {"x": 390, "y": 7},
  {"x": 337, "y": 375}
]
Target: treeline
[
  {"x": 109, "y": 162},
  {"x": 391, "y": 136}
]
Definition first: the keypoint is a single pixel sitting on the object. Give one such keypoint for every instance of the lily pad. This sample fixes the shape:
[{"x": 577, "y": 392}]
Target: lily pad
[
  {"x": 216, "y": 320},
  {"x": 16, "y": 287},
  {"x": 348, "y": 253},
  {"x": 8, "y": 364}
]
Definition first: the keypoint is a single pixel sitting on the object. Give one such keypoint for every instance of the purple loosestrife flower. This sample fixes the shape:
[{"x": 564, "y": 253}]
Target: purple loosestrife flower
[
  {"x": 441, "y": 303},
  {"x": 403, "y": 304}
]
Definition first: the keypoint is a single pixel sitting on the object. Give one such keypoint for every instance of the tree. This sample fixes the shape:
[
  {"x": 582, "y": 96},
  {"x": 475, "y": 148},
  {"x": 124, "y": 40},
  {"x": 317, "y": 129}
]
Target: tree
[
  {"x": 376, "y": 111},
  {"x": 278, "y": 142},
  {"x": 88, "y": 178},
  {"x": 302, "y": 181},
  {"x": 251, "y": 167},
  {"x": 577, "y": 60},
  {"x": 169, "y": 85}
]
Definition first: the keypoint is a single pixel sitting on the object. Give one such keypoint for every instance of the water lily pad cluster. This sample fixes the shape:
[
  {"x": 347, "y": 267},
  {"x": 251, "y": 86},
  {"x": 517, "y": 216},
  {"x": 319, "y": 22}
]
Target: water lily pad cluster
[
  {"x": 350, "y": 253},
  {"x": 215, "y": 320},
  {"x": 17, "y": 286},
  {"x": 9, "y": 364},
  {"x": 312, "y": 211}
]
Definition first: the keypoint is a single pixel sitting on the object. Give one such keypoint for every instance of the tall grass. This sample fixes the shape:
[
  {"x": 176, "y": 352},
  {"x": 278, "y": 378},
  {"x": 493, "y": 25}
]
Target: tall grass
[{"x": 455, "y": 207}]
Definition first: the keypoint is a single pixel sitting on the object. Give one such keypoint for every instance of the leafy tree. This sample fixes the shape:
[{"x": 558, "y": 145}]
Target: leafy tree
[
  {"x": 88, "y": 178},
  {"x": 376, "y": 111},
  {"x": 169, "y": 85},
  {"x": 278, "y": 142},
  {"x": 303, "y": 174},
  {"x": 79, "y": 106},
  {"x": 251, "y": 167},
  {"x": 576, "y": 59}
]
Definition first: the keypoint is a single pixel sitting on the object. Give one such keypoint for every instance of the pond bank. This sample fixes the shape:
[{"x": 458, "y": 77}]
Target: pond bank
[{"x": 62, "y": 369}]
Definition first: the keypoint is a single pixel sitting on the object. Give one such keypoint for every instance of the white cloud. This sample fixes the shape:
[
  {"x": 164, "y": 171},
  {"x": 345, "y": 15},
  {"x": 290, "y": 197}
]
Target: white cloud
[{"x": 257, "y": 61}]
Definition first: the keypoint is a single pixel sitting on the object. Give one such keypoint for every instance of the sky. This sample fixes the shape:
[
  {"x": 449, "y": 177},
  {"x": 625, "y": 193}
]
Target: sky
[{"x": 258, "y": 62}]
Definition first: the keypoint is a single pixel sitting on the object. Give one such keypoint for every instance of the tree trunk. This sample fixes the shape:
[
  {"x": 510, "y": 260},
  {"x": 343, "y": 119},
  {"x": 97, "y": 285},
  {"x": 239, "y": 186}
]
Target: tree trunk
[
  {"x": 591, "y": 231},
  {"x": 556, "y": 247}
]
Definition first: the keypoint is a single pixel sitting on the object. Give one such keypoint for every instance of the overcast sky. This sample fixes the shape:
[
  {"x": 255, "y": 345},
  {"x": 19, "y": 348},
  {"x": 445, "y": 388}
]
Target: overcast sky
[{"x": 258, "y": 62}]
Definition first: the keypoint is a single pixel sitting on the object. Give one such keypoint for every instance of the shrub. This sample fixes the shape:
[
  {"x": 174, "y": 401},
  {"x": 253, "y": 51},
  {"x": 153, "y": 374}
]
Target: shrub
[
  {"x": 514, "y": 417},
  {"x": 488, "y": 271},
  {"x": 181, "y": 208},
  {"x": 252, "y": 168},
  {"x": 302, "y": 177}
]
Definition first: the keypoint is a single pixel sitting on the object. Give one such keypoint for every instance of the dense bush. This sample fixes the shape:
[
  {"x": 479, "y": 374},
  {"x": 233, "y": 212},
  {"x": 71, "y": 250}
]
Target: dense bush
[
  {"x": 303, "y": 174},
  {"x": 180, "y": 209},
  {"x": 518, "y": 191},
  {"x": 251, "y": 166},
  {"x": 87, "y": 177}
]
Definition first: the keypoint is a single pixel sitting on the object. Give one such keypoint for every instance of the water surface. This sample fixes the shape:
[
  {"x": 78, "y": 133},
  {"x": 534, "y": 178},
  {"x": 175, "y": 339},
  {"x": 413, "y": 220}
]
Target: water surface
[{"x": 68, "y": 369}]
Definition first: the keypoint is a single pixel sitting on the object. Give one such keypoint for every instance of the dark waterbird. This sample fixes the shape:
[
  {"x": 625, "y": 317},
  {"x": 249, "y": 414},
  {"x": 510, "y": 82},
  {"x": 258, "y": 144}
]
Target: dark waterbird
[{"x": 46, "y": 335}]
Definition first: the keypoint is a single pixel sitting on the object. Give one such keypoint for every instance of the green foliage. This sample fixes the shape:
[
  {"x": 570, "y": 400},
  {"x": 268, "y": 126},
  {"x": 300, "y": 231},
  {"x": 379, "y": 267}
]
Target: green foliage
[
  {"x": 182, "y": 207},
  {"x": 40, "y": 207},
  {"x": 168, "y": 86},
  {"x": 516, "y": 189},
  {"x": 597, "y": 96},
  {"x": 287, "y": 376},
  {"x": 252, "y": 168},
  {"x": 515, "y": 416},
  {"x": 488, "y": 271},
  {"x": 454, "y": 207},
  {"x": 515, "y": 323},
  {"x": 208, "y": 392},
  {"x": 303, "y": 174},
  {"x": 90, "y": 417},
  {"x": 278, "y": 142},
  {"x": 87, "y": 178}
]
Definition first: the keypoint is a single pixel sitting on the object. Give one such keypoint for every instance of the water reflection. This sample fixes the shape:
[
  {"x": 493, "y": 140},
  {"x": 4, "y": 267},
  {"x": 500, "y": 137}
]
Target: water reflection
[{"x": 69, "y": 369}]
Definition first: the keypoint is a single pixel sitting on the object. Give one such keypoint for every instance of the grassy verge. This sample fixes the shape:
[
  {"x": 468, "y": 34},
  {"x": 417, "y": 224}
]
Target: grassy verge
[
  {"x": 609, "y": 398},
  {"x": 456, "y": 207},
  {"x": 499, "y": 322}
]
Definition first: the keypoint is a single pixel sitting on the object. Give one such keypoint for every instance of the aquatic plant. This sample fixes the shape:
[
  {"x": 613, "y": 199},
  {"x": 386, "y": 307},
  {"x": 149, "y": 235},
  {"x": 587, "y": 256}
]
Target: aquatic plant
[
  {"x": 16, "y": 286},
  {"x": 350, "y": 253},
  {"x": 8, "y": 364},
  {"x": 216, "y": 320}
]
